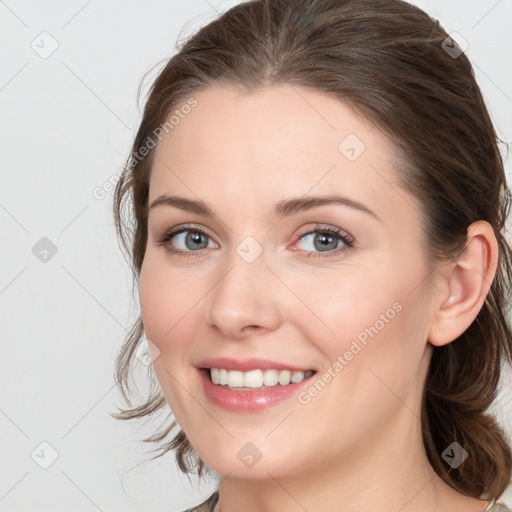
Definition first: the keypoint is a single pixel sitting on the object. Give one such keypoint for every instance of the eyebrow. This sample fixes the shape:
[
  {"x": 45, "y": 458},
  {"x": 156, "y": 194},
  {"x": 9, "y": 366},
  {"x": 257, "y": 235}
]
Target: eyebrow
[{"x": 280, "y": 210}]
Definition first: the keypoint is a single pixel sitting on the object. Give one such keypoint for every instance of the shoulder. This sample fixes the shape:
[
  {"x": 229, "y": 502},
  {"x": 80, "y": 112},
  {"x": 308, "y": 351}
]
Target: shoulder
[
  {"x": 209, "y": 504},
  {"x": 203, "y": 508}
]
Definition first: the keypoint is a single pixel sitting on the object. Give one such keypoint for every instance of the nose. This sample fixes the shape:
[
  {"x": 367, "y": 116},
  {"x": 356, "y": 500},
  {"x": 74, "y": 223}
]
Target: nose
[{"x": 246, "y": 299}]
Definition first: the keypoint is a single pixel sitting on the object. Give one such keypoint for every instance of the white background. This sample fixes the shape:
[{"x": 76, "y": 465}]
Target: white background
[{"x": 67, "y": 122}]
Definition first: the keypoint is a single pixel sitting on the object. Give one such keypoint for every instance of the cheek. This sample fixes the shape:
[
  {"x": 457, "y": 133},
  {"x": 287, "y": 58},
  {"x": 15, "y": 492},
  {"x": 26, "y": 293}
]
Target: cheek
[
  {"x": 368, "y": 326},
  {"x": 155, "y": 304},
  {"x": 373, "y": 367},
  {"x": 344, "y": 308},
  {"x": 168, "y": 303}
]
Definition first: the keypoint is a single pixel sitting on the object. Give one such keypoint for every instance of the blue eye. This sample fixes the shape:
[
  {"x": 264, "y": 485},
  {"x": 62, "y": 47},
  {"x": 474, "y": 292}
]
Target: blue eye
[
  {"x": 326, "y": 240},
  {"x": 321, "y": 239},
  {"x": 193, "y": 238}
]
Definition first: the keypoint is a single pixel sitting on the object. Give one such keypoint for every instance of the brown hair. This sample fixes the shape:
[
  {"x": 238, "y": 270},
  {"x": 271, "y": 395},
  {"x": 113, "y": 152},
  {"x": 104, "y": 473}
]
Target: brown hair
[{"x": 395, "y": 65}]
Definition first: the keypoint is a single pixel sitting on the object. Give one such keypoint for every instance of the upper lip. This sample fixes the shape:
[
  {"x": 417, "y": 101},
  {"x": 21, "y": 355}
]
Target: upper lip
[{"x": 246, "y": 365}]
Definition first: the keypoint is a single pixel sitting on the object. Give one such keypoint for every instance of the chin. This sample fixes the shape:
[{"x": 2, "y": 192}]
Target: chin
[{"x": 247, "y": 460}]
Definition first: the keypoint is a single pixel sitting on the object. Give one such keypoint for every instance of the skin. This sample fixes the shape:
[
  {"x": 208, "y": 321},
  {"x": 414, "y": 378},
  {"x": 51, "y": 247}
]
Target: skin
[{"x": 357, "y": 443}]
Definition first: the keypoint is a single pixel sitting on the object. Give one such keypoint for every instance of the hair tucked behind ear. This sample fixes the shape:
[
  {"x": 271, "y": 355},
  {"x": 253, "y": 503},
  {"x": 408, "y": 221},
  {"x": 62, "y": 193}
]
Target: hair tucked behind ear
[
  {"x": 461, "y": 385},
  {"x": 389, "y": 60}
]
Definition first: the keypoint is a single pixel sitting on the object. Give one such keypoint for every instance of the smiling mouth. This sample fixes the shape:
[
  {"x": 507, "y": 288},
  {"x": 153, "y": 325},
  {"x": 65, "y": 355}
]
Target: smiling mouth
[{"x": 255, "y": 379}]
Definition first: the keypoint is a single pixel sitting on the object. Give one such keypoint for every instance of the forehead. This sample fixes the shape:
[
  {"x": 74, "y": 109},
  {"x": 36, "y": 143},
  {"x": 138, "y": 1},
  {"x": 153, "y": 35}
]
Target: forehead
[{"x": 276, "y": 142}]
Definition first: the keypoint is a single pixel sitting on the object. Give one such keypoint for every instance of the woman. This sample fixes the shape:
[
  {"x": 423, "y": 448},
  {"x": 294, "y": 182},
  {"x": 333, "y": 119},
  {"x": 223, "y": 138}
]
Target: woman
[{"x": 319, "y": 204}]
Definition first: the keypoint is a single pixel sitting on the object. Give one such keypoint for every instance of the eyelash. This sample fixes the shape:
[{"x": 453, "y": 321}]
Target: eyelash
[{"x": 325, "y": 230}]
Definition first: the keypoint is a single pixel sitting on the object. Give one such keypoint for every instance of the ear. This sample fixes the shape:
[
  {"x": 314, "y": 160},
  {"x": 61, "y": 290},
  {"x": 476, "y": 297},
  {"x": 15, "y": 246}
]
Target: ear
[{"x": 464, "y": 285}]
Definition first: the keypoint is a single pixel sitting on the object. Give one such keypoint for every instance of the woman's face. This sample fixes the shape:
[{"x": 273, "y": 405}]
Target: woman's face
[{"x": 267, "y": 281}]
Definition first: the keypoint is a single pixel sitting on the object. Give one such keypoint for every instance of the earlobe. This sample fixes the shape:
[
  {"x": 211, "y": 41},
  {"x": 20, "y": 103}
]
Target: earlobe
[{"x": 468, "y": 281}]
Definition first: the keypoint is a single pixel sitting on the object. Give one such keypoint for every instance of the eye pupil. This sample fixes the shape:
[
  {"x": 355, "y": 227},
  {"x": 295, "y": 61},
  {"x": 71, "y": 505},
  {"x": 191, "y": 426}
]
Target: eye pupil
[
  {"x": 195, "y": 237},
  {"x": 324, "y": 241}
]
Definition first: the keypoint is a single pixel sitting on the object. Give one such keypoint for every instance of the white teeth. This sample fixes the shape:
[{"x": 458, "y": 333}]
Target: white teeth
[
  {"x": 285, "y": 377},
  {"x": 214, "y": 374},
  {"x": 256, "y": 378},
  {"x": 270, "y": 377},
  {"x": 236, "y": 379},
  {"x": 297, "y": 376},
  {"x": 253, "y": 379}
]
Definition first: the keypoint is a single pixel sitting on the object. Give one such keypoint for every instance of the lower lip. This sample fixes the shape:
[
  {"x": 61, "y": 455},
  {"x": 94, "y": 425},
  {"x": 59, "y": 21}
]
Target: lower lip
[{"x": 248, "y": 401}]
